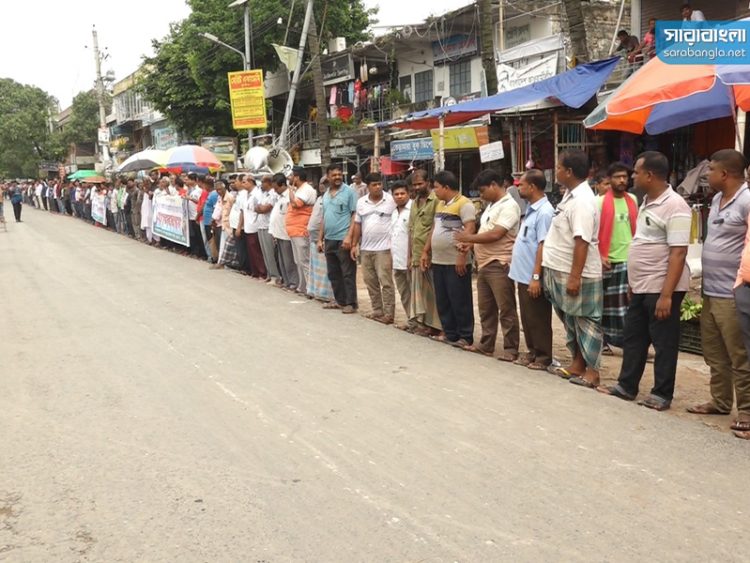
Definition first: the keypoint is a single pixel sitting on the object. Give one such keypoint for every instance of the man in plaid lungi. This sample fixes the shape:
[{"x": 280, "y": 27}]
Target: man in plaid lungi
[
  {"x": 618, "y": 216},
  {"x": 573, "y": 270}
]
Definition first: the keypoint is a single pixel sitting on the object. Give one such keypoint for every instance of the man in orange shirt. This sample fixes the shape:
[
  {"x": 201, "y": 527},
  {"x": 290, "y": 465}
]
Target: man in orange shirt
[{"x": 302, "y": 197}]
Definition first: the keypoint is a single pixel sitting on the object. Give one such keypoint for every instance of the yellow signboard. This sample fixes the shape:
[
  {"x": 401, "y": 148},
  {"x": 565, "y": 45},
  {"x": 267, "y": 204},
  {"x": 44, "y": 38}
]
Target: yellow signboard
[
  {"x": 461, "y": 138},
  {"x": 248, "y": 101}
]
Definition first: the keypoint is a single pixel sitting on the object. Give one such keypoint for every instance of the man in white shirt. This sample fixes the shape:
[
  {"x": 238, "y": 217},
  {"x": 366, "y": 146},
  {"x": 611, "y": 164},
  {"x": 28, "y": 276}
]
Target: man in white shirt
[
  {"x": 252, "y": 242},
  {"x": 284, "y": 253},
  {"x": 263, "y": 207},
  {"x": 400, "y": 244},
  {"x": 244, "y": 184},
  {"x": 573, "y": 270},
  {"x": 371, "y": 238},
  {"x": 690, "y": 15}
]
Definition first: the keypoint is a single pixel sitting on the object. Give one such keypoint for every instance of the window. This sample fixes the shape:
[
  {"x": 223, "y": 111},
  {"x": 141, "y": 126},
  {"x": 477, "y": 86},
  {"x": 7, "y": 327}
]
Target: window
[
  {"x": 460, "y": 76},
  {"x": 423, "y": 86},
  {"x": 404, "y": 84}
]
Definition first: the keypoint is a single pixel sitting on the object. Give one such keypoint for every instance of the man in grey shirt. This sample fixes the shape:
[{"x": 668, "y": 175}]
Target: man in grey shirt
[{"x": 509, "y": 183}]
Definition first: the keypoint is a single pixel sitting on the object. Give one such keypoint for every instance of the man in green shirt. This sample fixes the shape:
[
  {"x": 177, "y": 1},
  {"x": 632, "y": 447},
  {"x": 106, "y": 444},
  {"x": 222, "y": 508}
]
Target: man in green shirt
[
  {"x": 619, "y": 212},
  {"x": 423, "y": 313}
]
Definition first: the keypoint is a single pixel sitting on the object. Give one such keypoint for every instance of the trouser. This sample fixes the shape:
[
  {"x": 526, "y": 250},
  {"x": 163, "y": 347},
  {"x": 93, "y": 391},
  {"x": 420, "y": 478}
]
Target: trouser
[
  {"x": 128, "y": 224},
  {"x": 729, "y": 336},
  {"x": 342, "y": 273},
  {"x": 17, "y": 207},
  {"x": 403, "y": 285},
  {"x": 643, "y": 329},
  {"x": 255, "y": 256},
  {"x": 301, "y": 250},
  {"x": 61, "y": 205},
  {"x": 285, "y": 256},
  {"x": 377, "y": 273},
  {"x": 496, "y": 300},
  {"x": 242, "y": 252},
  {"x": 455, "y": 303},
  {"x": 206, "y": 234},
  {"x": 135, "y": 221},
  {"x": 111, "y": 222},
  {"x": 536, "y": 318},
  {"x": 197, "y": 247},
  {"x": 269, "y": 256},
  {"x": 44, "y": 203}
]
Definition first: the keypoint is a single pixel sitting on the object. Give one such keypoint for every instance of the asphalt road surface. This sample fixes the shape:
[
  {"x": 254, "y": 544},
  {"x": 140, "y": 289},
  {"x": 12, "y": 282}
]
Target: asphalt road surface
[{"x": 154, "y": 410}]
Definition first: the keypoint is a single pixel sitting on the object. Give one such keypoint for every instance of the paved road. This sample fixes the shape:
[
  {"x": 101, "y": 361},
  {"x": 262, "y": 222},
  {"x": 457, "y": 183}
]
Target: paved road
[{"x": 143, "y": 418}]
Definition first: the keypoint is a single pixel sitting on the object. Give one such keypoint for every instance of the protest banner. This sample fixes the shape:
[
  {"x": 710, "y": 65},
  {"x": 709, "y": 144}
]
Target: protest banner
[
  {"x": 170, "y": 219},
  {"x": 99, "y": 209}
]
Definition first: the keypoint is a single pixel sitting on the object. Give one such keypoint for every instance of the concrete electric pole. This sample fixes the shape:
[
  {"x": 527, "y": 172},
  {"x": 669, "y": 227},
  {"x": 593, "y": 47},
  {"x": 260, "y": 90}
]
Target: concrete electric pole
[{"x": 100, "y": 97}]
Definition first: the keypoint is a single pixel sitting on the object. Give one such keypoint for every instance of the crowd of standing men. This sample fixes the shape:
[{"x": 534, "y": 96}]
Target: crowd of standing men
[{"x": 614, "y": 272}]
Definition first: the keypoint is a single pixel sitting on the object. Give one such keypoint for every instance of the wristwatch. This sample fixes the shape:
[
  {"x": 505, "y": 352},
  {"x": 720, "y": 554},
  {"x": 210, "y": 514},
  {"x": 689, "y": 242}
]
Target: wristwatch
[{"x": 535, "y": 277}]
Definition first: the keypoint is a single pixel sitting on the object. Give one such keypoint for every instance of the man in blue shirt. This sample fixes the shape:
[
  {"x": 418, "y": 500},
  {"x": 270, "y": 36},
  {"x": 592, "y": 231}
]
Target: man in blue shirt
[
  {"x": 526, "y": 271},
  {"x": 335, "y": 239},
  {"x": 208, "y": 212}
]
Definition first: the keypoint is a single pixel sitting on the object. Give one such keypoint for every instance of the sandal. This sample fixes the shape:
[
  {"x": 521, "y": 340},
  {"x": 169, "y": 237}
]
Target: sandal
[
  {"x": 560, "y": 371},
  {"x": 472, "y": 348},
  {"x": 460, "y": 343},
  {"x": 507, "y": 357},
  {"x": 582, "y": 382},
  {"x": 616, "y": 391},
  {"x": 437, "y": 337},
  {"x": 742, "y": 435},
  {"x": 706, "y": 408},
  {"x": 332, "y": 305},
  {"x": 523, "y": 361},
  {"x": 607, "y": 351},
  {"x": 741, "y": 425},
  {"x": 386, "y": 320},
  {"x": 655, "y": 403},
  {"x": 537, "y": 367}
]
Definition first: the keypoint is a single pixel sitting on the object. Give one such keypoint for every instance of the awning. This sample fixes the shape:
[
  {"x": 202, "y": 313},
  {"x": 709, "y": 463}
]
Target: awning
[{"x": 573, "y": 88}]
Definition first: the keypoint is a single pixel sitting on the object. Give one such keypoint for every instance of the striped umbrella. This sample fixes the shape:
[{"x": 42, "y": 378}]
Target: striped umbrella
[
  {"x": 192, "y": 158},
  {"x": 144, "y": 160}
]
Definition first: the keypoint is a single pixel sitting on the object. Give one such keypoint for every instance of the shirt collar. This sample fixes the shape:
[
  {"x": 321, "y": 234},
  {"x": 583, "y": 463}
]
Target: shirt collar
[
  {"x": 669, "y": 192},
  {"x": 743, "y": 187},
  {"x": 537, "y": 204}
]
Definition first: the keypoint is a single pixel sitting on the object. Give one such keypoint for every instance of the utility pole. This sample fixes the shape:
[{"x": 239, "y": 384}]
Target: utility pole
[
  {"x": 488, "y": 45},
  {"x": 295, "y": 78},
  {"x": 324, "y": 135},
  {"x": 100, "y": 96},
  {"x": 249, "y": 62}
]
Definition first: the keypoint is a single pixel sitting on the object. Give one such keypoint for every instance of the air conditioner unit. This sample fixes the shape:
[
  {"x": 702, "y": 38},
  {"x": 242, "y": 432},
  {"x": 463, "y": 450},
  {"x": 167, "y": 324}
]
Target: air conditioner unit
[{"x": 337, "y": 44}]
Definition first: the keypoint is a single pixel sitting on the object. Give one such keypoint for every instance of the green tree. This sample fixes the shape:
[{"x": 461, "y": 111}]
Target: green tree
[
  {"x": 84, "y": 119},
  {"x": 25, "y": 140},
  {"x": 186, "y": 78}
]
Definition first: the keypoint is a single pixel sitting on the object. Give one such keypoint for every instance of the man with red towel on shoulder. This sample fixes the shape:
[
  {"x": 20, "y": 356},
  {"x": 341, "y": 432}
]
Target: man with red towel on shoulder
[{"x": 618, "y": 216}]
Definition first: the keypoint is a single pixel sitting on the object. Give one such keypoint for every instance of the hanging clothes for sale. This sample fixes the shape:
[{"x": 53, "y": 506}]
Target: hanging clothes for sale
[
  {"x": 332, "y": 97},
  {"x": 350, "y": 92}
]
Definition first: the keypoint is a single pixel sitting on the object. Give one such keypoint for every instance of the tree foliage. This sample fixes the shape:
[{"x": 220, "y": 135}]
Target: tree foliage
[
  {"x": 84, "y": 119},
  {"x": 25, "y": 138},
  {"x": 186, "y": 78}
]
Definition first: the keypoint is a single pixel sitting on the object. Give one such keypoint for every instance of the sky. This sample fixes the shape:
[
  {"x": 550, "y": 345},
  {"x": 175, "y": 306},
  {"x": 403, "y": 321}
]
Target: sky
[{"x": 54, "y": 51}]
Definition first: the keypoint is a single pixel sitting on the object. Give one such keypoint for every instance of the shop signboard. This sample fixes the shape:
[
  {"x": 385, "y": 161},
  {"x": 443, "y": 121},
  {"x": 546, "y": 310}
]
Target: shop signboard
[
  {"x": 225, "y": 148},
  {"x": 460, "y": 138},
  {"x": 165, "y": 137},
  {"x": 412, "y": 149},
  {"x": 510, "y": 78},
  {"x": 454, "y": 47},
  {"x": 247, "y": 98},
  {"x": 491, "y": 152},
  {"x": 337, "y": 68}
]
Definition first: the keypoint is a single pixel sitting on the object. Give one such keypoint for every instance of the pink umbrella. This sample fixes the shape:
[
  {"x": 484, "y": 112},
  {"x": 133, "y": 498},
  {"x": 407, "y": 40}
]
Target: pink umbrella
[{"x": 192, "y": 158}]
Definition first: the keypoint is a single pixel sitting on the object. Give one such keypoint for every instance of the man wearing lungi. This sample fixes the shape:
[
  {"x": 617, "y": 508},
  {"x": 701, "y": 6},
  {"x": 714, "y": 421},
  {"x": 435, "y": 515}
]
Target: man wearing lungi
[
  {"x": 617, "y": 220},
  {"x": 573, "y": 270}
]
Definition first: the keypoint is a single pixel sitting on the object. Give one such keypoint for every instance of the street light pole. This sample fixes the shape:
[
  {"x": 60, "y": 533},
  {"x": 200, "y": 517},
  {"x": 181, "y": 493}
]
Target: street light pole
[
  {"x": 249, "y": 62},
  {"x": 295, "y": 77}
]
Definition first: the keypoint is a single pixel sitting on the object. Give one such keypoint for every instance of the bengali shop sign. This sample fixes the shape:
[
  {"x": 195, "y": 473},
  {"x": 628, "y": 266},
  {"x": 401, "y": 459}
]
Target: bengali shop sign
[
  {"x": 99, "y": 209},
  {"x": 248, "y": 101},
  {"x": 170, "y": 219}
]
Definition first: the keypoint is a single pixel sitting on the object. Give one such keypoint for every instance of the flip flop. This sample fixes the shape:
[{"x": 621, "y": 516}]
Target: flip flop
[
  {"x": 707, "y": 409},
  {"x": 332, "y": 306},
  {"x": 560, "y": 371},
  {"x": 523, "y": 361},
  {"x": 581, "y": 382},
  {"x": 742, "y": 435},
  {"x": 536, "y": 367},
  {"x": 460, "y": 343},
  {"x": 505, "y": 357}
]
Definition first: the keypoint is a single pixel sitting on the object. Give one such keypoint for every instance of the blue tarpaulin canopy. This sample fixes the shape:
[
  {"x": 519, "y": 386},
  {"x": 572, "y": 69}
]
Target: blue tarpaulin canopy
[{"x": 573, "y": 88}]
